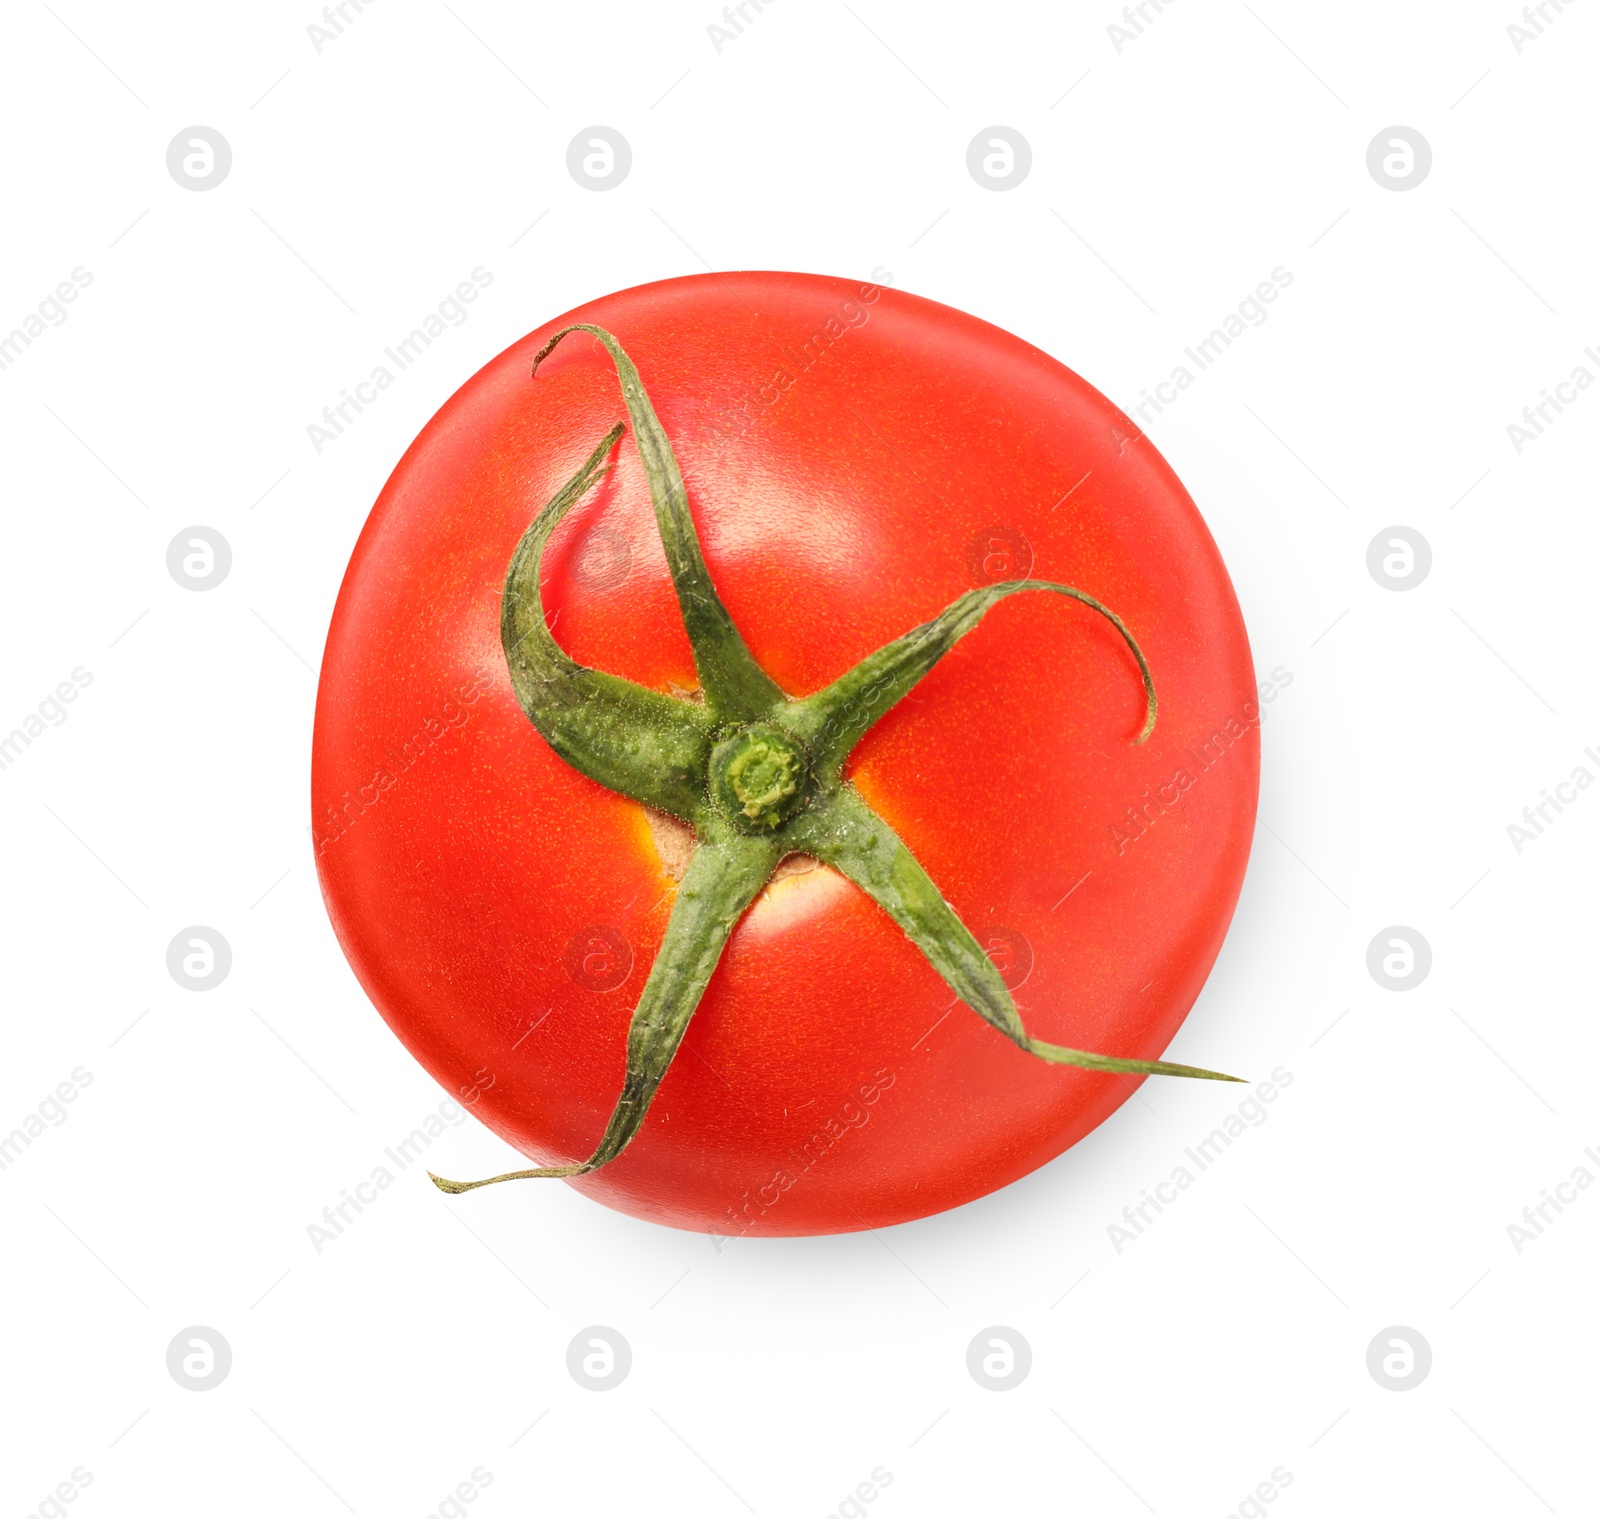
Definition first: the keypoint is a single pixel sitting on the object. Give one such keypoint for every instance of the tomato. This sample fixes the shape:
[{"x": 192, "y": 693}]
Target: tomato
[{"x": 857, "y": 461}]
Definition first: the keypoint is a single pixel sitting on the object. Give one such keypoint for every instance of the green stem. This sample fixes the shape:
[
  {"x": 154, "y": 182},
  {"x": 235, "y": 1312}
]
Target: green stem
[
  {"x": 837, "y": 717},
  {"x": 625, "y": 736},
  {"x": 724, "y": 875},
  {"x": 757, "y": 775},
  {"x": 735, "y": 686},
  {"x": 848, "y": 835}
]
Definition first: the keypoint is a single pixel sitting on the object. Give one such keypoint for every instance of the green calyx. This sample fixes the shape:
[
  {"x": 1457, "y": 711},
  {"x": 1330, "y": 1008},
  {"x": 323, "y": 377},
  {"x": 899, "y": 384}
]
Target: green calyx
[
  {"x": 758, "y": 778},
  {"x": 757, "y": 774}
]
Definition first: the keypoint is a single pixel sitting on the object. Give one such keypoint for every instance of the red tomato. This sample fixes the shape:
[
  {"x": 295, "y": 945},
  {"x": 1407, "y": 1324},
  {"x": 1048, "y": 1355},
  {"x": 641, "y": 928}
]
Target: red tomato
[{"x": 856, "y": 458}]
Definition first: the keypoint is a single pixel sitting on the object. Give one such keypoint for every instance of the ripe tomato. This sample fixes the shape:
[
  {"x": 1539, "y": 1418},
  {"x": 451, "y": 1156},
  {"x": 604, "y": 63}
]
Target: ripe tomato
[{"x": 856, "y": 459}]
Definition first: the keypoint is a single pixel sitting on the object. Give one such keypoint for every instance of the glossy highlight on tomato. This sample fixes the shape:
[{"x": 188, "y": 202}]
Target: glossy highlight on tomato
[{"x": 856, "y": 461}]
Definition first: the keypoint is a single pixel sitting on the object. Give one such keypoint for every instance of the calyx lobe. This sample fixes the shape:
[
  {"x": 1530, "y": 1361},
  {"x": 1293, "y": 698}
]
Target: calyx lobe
[{"x": 758, "y": 775}]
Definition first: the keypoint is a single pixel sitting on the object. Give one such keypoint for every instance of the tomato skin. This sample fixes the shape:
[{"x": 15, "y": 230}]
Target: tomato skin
[{"x": 855, "y": 458}]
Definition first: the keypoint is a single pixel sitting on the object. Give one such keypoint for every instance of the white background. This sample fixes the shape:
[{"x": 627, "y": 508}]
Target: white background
[{"x": 771, "y": 1377}]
